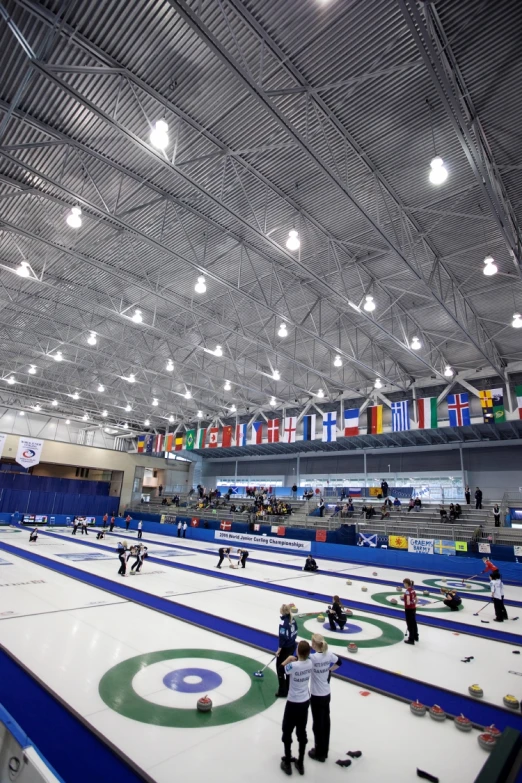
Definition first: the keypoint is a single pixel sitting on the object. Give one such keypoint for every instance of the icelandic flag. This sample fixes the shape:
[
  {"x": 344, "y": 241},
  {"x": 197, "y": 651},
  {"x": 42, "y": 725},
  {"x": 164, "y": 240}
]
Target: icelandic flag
[
  {"x": 241, "y": 434},
  {"x": 458, "y": 410},
  {"x": 257, "y": 432},
  {"x": 351, "y": 422},
  {"x": 367, "y": 539},
  {"x": 309, "y": 427},
  {"x": 400, "y": 416},
  {"x": 329, "y": 426}
]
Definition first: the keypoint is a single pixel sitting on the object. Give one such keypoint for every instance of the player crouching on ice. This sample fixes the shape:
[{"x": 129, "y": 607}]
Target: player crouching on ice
[{"x": 310, "y": 564}]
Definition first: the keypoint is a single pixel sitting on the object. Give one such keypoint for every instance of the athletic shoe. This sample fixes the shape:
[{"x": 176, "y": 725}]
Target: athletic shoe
[
  {"x": 299, "y": 766},
  {"x": 313, "y": 755},
  {"x": 286, "y": 766},
  {"x": 407, "y": 641}
]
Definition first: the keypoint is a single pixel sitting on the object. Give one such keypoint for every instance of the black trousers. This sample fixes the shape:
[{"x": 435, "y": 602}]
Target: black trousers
[
  {"x": 127, "y": 525},
  {"x": 137, "y": 564},
  {"x": 179, "y": 532},
  {"x": 411, "y": 622},
  {"x": 140, "y": 533},
  {"x": 452, "y": 604},
  {"x": 123, "y": 566},
  {"x": 478, "y": 504},
  {"x": 496, "y": 517},
  {"x": 284, "y": 682},
  {"x": 468, "y": 498},
  {"x": 112, "y": 526},
  {"x": 184, "y": 533},
  {"x": 84, "y": 530},
  {"x": 75, "y": 528},
  {"x": 221, "y": 558},
  {"x": 500, "y": 610},
  {"x": 321, "y": 724},
  {"x": 333, "y": 619},
  {"x": 295, "y": 717},
  {"x": 243, "y": 560}
]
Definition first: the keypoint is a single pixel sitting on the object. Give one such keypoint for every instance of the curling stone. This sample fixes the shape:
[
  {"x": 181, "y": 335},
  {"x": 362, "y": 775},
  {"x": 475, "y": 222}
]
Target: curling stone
[
  {"x": 294, "y": 609},
  {"x": 348, "y": 581},
  {"x": 399, "y": 589},
  {"x": 468, "y": 586},
  {"x": 418, "y": 709},
  {"x": 437, "y": 713},
  {"x": 476, "y": 690},
  {"x": 204, "y": 704},
  {"x": 487, "y": 741},
  {"x": 348, "y": 612},
  {"x": 320, "y": 618},
  {"x": 374, "y": 573},
  {"x": 425, "y": 592},
  {"x": 352, "y": 647},
  {"x": 393, "y": 601},
  {"x": 444, "y": 580},
  {"x": 511, "y": 702},
  {"x": 364, "y": 589},
  {"x": 463, "y": 723},
  {"x": 493, "y": 731}
]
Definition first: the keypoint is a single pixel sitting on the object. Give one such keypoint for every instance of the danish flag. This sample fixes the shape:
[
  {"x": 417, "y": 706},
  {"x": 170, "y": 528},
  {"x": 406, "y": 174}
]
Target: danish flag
[
  {"x": 225, "y": 525},
  {"x": 273, "y": 431}
]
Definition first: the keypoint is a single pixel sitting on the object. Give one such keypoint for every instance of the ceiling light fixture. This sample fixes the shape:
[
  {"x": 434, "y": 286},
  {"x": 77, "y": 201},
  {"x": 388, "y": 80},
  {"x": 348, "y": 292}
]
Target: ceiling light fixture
[
  {"x": 58, "y": 356},
  {"x": 75, "y": 396},
  {"x": 200, "y": 286},
  {"x": 448, "y": 372},
  {"x": 378, "y": 383},
  {"x": 54, "y": 403},
  {"x": 74, "y": 218},
  {"x": 187, "y": 395},
  {"x": 517, "y": 321},
  {"x": 293, "y": 242},
  {"x": 125, "y": 426},
  {"x": 218, "y": 351},
  {"x": 159, "y": 136},
  {"x": 438, "y": 173},
  {"x": 23, "y": 270},
  {"x": 170, "y": 366},
  {"x": 32, "y": 369},
  {"x": 21, "y": 413},
  {"x": 131, "y": 378},
  {"x": 200, "y": 414},
  {"x": 276, "y": 375},
  {"x": 11, "y": 380},
  {"x": 85, "y": 417},
  {"x": 273, "y": 401},
  {"x": 171, "y": 418},
  {"x": 104, "y": 414},
  {"x": 283, "y": 331},
  {"x": 101, "y": 387},
  {"x": 369, "y": 304},
  {"x": 233, "y": 409},
  {"x": 128, "y": 407},
  {"x": 155, "y": 402},
  {"x": 67, "y": 421},
  {"x": 227, "y": 386},
  {"x": 320, "y": 393},
  {"x": 415, "y": 344},
  {"x": 338, "y": 362},
  {"x": 146, "y": 423},
  {"x": 37, "y": 407},
  {"x": 490, "y": 268},
  {"x": 92, "y": 338},
  {"x": 137, "y": 317}
]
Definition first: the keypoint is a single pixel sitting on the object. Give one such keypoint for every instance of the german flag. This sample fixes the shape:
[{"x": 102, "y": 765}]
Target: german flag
[{"x": 374, "y": 422}]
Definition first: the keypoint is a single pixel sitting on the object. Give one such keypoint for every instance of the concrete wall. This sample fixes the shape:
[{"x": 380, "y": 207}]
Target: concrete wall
[{"x": 103, "y": 459}]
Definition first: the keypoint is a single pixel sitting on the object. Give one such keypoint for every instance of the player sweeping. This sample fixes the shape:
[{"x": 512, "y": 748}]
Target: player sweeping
[
  {"x": 33, "y": 535},
  {"x": 296, "y": 710},
  {"x": 287, "y": 640},
  {"x": 140, "y": 554},
  {"x": 224, "y": 551}
]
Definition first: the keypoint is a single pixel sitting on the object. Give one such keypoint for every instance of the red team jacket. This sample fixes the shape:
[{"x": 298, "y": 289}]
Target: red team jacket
[
  {"x": 410, "y": 598},
  {"x": 489, "y": 567}
]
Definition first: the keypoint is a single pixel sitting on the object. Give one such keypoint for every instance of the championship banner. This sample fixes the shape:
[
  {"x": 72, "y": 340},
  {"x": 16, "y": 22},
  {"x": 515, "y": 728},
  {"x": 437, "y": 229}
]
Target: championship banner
[
  {"x": 444, "y": 547},
  {"x": 485, "y": 548},
  {"x": 398, "y": 542},
  {"x": 268, "y": 541},
  {"x": 29, "y": 451},
  {"x": 422, "y": 546},
  {"x": 2, "y": 443}
]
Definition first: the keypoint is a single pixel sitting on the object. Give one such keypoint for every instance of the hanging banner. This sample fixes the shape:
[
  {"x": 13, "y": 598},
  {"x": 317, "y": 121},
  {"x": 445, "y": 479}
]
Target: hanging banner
[
  {"x": 517, "y": 550},
  {"x": 461, "y": 546},
  {"x": 485, "y": 549},
  {"x": 262, "y": 540},
  {"x": 423, "y": 546},
  {"x": 29, "y": 451},
  {"x": 2, "y": 443}
]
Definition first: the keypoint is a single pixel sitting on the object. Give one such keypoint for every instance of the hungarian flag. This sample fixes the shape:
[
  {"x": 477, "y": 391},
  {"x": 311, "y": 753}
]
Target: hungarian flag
[
  {"x": 158, "y": 443},
  {"x": 225, "y": 525},
  {"x": 309, "y": 427},
  {"x": 169, "y": 439},
  {"x": 141, "y": 444},
  {"x": 427, "y": 410},
  {"x": 194, "y": 522},
  {"x": 190, "y": 439},
  {"x": 179, "y": 443},
  {"x": 289, "y": 429},
  {"x": 213, "y": 437},
  {"x": 273, "y": 431},
  {"x": 200, "y": 440},
  {"x": 518, "y": 393},
  {"x": 226, "y": 438},
  {"x": 374, "y": 420},
  {"x": 256, "y": 435},
  {"x": 492, "y": 402},
  {"x": 241, "y": 434},
  {"x": 351, "y": 422}
]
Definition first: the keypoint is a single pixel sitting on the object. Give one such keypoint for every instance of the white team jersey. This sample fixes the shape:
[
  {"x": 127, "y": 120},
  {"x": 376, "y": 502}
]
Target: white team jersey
[
  {"x": 299, "y": 673},
  {"x": 139, "y": 525},
  {"x": 321, "y": 663},
  {"x": 497, "y": 588}
]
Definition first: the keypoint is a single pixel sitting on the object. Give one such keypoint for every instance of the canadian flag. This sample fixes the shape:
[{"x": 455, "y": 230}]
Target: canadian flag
[
  {"x": 194, "y": 522},
  {"x": 225, "y": 525},
  {"x": 273, "y": 431},
  {"x": 212, "y": 435}
]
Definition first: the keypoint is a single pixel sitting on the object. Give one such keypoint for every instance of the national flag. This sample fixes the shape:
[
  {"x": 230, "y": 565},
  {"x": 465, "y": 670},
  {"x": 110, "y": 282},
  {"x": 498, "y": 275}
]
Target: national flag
[
  {"x": 256, "y": 433},
  {"x": 492, "y": 402},
  {"x": 225, "y": 525},
  {"x": 169, "y": 440},
  {"x": 374, "y": 420},
  {"x": 309, "y": 427},
  {"x": 444, "y": 547},
  {"x": 400, "y": 416},
  {"x": 289, "y": 429},
  {"x": 257, "y": 528},
  {"x": 281, "y": 531},
  {"x": 427, "y": 410},
  {"x": 367, "y": 539},
  {"x": 194, "y": 522},
  {"x": 273, "y": 431},
  {"x": 241, "y": 434},
  {"x": 458, "y": 409},
  {"x": 190, "y": 439},
  {"x": 200, "y": 440},
  {"x": 213, "y": 433},
  {"x": 518, "y": 395},
  {"x": 351, "y": 422},
  {"x": 320, "y": 535},
  {"x": 274, "y": 528},
  {"x": 141, "y": 443},
  {"x": 329, "y": 426},
  {"x": 179, "y": 443},
  {"x": 149, "y": 443},
  {"x": 158, "y": 444},
  {"x": 398, "y": 542},
  {"x": 226, "y": 437}
]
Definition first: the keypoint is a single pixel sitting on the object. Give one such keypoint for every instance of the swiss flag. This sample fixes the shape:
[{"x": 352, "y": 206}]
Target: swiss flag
[
  {"x": 281, "y": 531},
  {"x": 194, "y": 522},
  {"x": 225, "y": 525},
  {"x": 212, "y": 435},
  {"x": 320, "y": 535}
]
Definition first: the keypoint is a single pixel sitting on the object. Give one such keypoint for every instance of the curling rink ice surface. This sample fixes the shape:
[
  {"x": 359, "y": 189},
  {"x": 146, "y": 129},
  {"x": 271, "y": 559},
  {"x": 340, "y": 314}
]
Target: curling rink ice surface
[{"x": 135, "y": 674}]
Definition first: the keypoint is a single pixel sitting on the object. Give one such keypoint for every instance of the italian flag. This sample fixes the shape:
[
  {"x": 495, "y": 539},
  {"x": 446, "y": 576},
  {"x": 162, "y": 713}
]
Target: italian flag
[
  {"x": 427, "y": 408},
  {"x": 518, "y": 392}
]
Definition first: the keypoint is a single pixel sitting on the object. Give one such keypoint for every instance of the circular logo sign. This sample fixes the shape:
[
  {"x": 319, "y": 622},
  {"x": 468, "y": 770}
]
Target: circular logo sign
[
  {"x": 28, "y": 453},
  {"x": 162, "y": 688}
]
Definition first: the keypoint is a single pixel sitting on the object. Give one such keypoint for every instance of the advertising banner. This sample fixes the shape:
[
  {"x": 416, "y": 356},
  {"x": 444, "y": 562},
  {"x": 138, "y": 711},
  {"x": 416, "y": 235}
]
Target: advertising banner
[
  {"x": 423, "y": 546},
  {"x": 29, "y": 451},
  {"x": 248, "y": 538},
  {"x": 485, "y": 548}
]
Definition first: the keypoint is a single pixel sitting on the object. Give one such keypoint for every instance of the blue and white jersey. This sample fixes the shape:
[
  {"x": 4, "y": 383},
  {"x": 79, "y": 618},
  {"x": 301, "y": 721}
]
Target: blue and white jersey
[{"x": 287, "y": 632}]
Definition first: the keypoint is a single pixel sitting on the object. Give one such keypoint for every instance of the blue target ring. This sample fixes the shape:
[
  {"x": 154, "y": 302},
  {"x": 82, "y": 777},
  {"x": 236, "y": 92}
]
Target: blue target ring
[
  {"x": 348, "y": 628},
  {"x": 423, "y": 602},
  {"x": 206, "y": 680}
]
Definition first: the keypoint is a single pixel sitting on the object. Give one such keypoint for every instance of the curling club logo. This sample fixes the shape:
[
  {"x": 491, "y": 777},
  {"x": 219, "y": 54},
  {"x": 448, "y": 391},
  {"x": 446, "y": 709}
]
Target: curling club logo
[{"x": 28, "y": 454}]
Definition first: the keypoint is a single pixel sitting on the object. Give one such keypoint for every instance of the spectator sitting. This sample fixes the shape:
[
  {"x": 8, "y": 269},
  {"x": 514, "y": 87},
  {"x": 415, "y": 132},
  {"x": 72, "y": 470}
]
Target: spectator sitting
[
  {"x": 164, "y": 502},
  {"x": 387, "y": 502},
  {"x": 385, "y": 511},
  {"x": 443, "y": 513},
  {"x": 337, "y": 510},
  {"x": 411, "y": 505},
  {"x": 310, "y": 564},
  {"x": 233, "y": 508},
  {"x": 349, "y": 509},
  {"x": 452, "y": 515},
  {"x": 397, "y": 503},
  {"x": 370, "y": 512},
  {"x": 458, "y": 511},
  {"x": 418, "y": 503}
]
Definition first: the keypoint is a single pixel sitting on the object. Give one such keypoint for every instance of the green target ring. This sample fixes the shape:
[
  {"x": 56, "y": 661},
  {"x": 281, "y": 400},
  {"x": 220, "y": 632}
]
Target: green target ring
[
  {"x": 461, "y": 588},
  {"x": 116, "y": 691},
  {"x": 382, "y": 598},
  {"x": 390, "y": 634}
]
